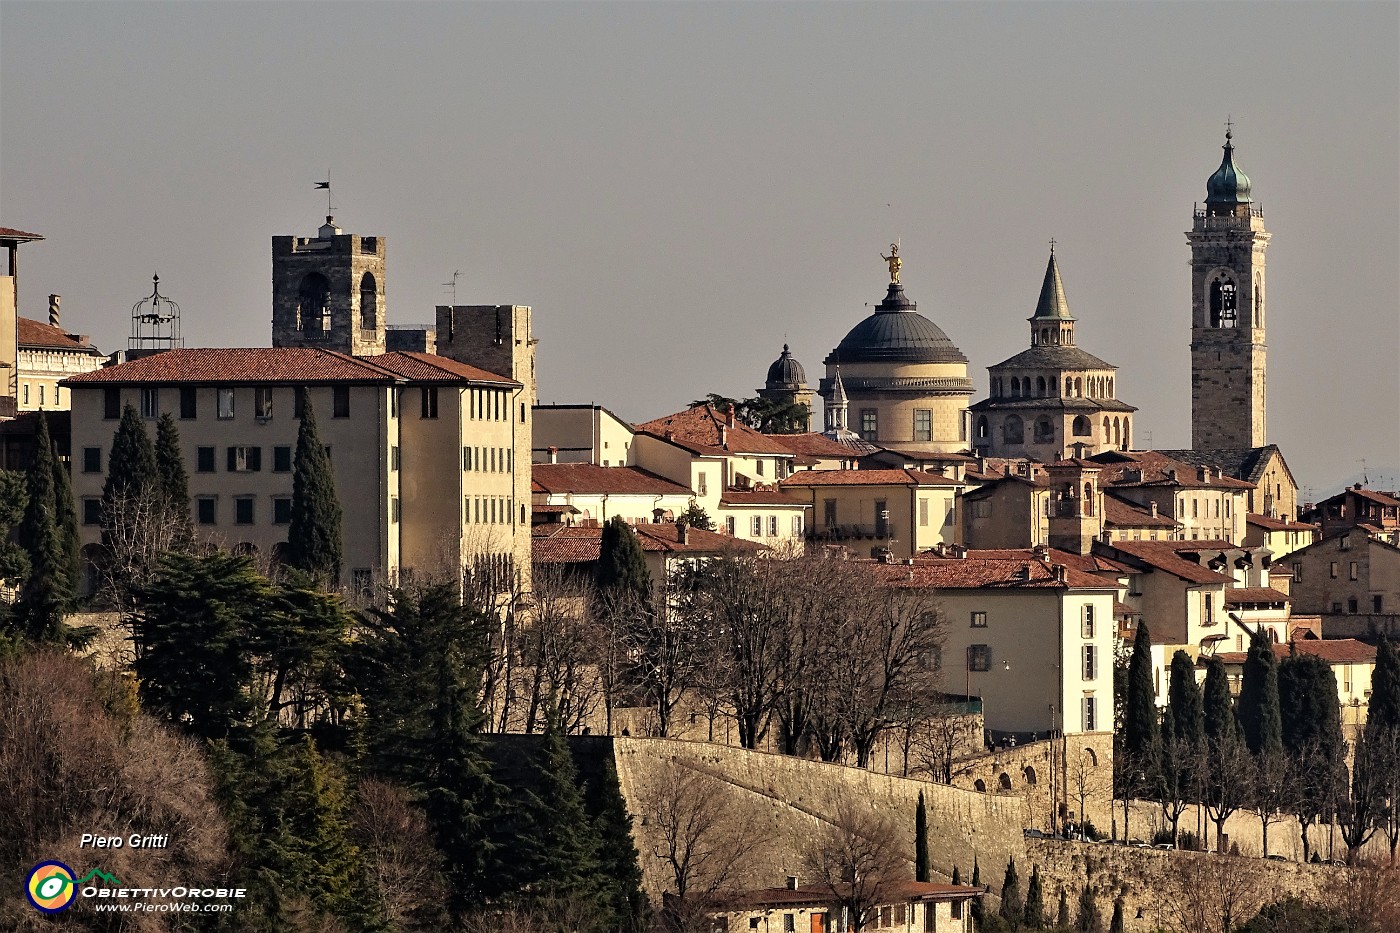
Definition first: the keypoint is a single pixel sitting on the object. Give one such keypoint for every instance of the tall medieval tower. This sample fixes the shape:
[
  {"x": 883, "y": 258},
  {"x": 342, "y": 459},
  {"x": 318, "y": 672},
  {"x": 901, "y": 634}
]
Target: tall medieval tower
[
  {"x": 1228, "y": 362},
  {"x": 328, "y": 291}
]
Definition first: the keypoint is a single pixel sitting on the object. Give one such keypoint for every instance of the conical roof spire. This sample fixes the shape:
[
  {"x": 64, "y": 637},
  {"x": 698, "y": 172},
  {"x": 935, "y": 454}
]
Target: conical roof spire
[{"x": 1052, "y": 304}]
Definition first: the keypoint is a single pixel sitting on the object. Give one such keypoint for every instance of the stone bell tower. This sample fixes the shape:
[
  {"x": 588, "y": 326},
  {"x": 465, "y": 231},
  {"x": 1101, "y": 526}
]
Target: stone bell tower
[
  {"x": 1228, "y": 353},
  {"x": 328, "y": 291}
]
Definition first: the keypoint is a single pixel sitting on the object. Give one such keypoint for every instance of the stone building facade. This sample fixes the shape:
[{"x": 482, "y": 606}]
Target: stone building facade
[
  {"x": 328, "y": 291},
  {"x": 1228, "y": 353}
]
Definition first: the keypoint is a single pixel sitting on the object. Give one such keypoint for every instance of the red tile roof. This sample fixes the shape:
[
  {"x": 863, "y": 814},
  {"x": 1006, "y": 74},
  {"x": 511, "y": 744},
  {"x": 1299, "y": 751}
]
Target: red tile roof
[
  {"x": 987, "y": 569},
  {"x": 1120, "y": 513},
  {"x": 1236, "y": 595},
  {"x": 1331, "y": 650},
  {"x": 429, "y": 367},
  {"x": 867, "y": 478},
  {"x": 747, "y": 497},
  {"x": 38, "y": 334},
  {"x": 589, "y": 478},
  {"x": 569, "y": 544},
  {"x": 10, "y": 233},
  {"x": 240, "y": 365},
  {"x": 701, "y": 427},
  {"x": 1156, "y": 469},
  {"x": 1277, "y": 524},
  {"x": 1166, "y": 556},
  {"x": 814, "y": 445}
]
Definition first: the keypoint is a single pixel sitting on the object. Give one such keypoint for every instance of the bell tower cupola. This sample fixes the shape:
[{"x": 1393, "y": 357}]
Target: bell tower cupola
[
  {"x": 1228, "y": 351},
  {"x": 1052, "y": 325}
]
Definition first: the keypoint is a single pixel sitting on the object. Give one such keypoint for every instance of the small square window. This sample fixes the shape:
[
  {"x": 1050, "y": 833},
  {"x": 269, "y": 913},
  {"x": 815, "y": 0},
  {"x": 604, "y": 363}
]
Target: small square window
[
  {"x": 111, "y": 404},
  {"x": 979, "y": 620},
  {"x": 92, "y": 511},
  {"x": 225, "y": 406},
  {"x": 340, "y": 402},
  {"x": 204, "y": 510},
  {"x": 282, "y": 510},
  {"x": 92, "y": 459},
  {"x": 979, "y": 657},
  {"x": 204, "y": 459},
  {"x": 189, "y": 405},
  {"x": 243, "y": 511},
  {"x": 282, "y": 459}
]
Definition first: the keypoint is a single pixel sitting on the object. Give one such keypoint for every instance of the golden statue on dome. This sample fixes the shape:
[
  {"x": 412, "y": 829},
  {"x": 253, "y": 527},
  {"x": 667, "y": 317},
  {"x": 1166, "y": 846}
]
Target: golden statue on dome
[{"x": 895, "y": 262}]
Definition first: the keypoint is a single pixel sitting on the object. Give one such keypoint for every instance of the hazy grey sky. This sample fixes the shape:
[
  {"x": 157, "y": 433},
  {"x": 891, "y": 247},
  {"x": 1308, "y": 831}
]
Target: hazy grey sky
[{"x": 677, "y": 188}]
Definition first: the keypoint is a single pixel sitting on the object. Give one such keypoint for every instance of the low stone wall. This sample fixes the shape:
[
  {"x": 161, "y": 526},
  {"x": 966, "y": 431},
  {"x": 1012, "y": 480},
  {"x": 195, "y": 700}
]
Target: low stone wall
[{"x": 1076, "y": 771}]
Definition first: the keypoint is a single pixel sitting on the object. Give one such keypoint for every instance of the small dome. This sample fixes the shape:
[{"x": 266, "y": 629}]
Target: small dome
[
  {"x": 896, "y": 332},
  {"x": 1228, "y": 185},
  {"x": 786, "y": 372}
]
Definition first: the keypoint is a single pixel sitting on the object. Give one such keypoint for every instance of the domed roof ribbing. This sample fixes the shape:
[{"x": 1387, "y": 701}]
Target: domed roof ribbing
[
  {"x": 896, "y": 333},
  {"x": 786, "y": 372},
  {"x": 1228, "y": 185}
]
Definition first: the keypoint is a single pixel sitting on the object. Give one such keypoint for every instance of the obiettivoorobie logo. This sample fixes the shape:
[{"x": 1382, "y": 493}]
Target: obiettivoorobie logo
[{"x": 51, "y": 886}]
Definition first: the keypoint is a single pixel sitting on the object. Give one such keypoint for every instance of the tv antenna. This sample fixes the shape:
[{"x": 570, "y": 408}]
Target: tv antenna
[{"x": 453, "y": 285}]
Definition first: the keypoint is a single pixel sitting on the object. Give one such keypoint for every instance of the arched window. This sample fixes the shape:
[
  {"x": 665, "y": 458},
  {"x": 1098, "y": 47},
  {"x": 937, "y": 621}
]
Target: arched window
[
  {"x": 980, "y": 786},
  {"x": 982, "y": 427},
  {"x": 1029, "y": 775},
  {"x": 1040, "y": 386},
  {"x": 1082, "y": 426},
  {"x": 1117, "y": 432},
  {"x": 1222, "y": 302},
  {"x": 1127, "y": 444},
  {"x": 1110, "y": 387},
  {"x": 1088, "y": 499},
  {"x": 1013, "y": 430},
  {"x": 1015, "y": 386},
  {"x": 313, "y": 304},
  {"x": 1092, "y": 756},
  {"x": 1044, "y": 430},
  {"x": 1004, "y": 781},
  {"x": 1106, "y": 429},
  {"x": 1079, "y": 387},
  {"x": 369, "y": 302}
]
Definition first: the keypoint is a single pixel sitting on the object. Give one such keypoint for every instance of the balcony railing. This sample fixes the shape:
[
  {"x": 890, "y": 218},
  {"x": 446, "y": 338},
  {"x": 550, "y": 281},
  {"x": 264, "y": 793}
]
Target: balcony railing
[{"x": 878, "y": 532}]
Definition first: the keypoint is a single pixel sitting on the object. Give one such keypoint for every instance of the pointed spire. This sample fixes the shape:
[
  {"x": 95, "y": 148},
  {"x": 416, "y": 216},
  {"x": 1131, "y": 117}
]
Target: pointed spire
[
  {"x": 836, "y": 408},
  {"x": 1052, "y": 304}
]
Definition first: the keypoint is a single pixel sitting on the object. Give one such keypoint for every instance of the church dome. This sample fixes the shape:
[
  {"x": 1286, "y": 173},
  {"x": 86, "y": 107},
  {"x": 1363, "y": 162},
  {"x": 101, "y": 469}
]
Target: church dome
[
  {"x": 896, "y": 332},
  {"x": 786, "y": 372},
  {"x": 1228, "y": 185}
]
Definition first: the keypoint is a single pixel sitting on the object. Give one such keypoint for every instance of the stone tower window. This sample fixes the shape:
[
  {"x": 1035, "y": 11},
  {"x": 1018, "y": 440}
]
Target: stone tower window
[
  {"x": 1088, "y": 499},
  {"x": 1082, "y": 427},
  {"x": 1069, "y": 387},
  {"x": 1015, "y": 386},
  {"x": 1044, "y": 430},
  {"x": 1258, "y": 300},
  {"x": 1013, "y": 430},
  {"x": 982, "y": 427},
  {"x": 313, "y": 305},
  {"x": 369, "y": 302},
  {"x": 1222, "y": 302},
  {"x": 1040, "y": 386}
]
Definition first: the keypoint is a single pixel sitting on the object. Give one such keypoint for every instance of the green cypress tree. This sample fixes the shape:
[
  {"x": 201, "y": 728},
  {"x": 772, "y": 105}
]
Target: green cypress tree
[
  {"x": 1140, "y": 717},
  {"x": 1218, "y": 710},
  {"x": 314, "y": 543},
  {"x": 1119, "y": 922},
  {"x": 921, "y": 866},
  {"x": 174, "y": 483},
  {"x": 1312, "y": 736},
  {"x": 957, "y": 876},
  {"x": 65, "y": 516},
  {"x": 45, "y": 594},
  {"x": 1011, "y": 903},
  {"x": 1184, "y": 699},
  {"x": 624, "y": 904},
  {"x": 1062, "y": 915},
  {"x": 622, "y": 568},
  {"x": 1384, "y": 709},
  {"x": 1034, "y": 914},
  {"x": 979, "y": 910},
  {"x": 132, "y": 475},
  {"x": 1090, "y": 920},
  {"x": 132, "y": 521},
  {"x": 1258, "y": 707}
]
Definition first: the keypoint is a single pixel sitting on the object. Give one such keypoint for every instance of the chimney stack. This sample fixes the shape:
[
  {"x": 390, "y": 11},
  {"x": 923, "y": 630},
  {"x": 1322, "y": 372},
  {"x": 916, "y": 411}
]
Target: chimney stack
[
  {"x": 682, "y": 532},
  {"x": 554, "y": 455},
  {"x": 1205, "y": 474},
  {"x": 53, "y": 310}
]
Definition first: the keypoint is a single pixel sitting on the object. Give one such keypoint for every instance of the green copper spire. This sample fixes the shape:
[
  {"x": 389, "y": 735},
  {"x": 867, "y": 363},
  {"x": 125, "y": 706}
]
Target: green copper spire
[{"x": 1228, "y": 185}]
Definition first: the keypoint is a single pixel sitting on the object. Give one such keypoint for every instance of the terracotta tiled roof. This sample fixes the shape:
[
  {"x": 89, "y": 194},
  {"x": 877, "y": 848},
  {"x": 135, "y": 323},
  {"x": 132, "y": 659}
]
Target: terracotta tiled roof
[
  {"x": 813, "y": 445},
  {"x": 867, "y": 478},
  {"x": 1166, "y": 556},
  {"x": 1373, "y": 496},
  {"x": 240, "y": 365},
  {"x": 1007, "y": 569},
  {"x": 568, "y": 544},
  {"x": 429, "y": 367},
  {"x": 701, "y": 427},
  {"x": 10, "y": 233},
  {"x": 1121, "y": 513},
  {"x": 38, "y": 334},
  {"x": 1331, "y": 650},
  {"x": 591, "y": 478},
  {"x": 1156, "y": 470},
  {"x": 1277, "y": 524},
  {"x": 743, "y": 497},
  {"x": 1236, "y": 595}
]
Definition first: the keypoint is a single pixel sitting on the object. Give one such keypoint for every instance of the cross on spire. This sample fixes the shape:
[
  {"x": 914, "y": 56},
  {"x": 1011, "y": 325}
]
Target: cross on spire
[
  {"x": 1052, "y": 246},
  {"x": 1229, "y": 125}
]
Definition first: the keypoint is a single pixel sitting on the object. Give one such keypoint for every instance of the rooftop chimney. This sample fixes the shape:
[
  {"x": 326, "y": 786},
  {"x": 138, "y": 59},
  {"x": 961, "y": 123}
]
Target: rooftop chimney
[
  {"x": 682, "y": 532},
  {"x": 1154, "y": 509},
  {"x": 1171, "y": 475},
  {"x": 724, "y": 436},
  {"x": 1204, "y": 474},
  {"x": 554, "y": 455},
  {"x": 53, "y": 310}
]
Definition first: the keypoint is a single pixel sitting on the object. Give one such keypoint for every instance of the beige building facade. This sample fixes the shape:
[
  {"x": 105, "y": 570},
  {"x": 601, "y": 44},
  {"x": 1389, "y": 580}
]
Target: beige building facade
[
  {"x": 47, "y": 355},
  {"x": 902, "y": 512}
]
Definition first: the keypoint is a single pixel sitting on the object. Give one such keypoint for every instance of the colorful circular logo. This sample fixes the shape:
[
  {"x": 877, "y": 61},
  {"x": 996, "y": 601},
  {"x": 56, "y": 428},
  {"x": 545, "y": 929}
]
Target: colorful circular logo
[{"x": 50, "y": 887}]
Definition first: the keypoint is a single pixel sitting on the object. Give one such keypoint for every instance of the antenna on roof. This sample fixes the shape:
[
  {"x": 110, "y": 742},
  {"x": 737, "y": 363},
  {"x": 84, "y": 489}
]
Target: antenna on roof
[
  {"x": 1365, "y": 481},
  {"x": 453, "y": 285}
]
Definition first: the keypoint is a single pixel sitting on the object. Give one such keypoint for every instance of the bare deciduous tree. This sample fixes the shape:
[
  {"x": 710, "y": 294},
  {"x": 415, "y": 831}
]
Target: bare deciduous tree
[{"x": 856, "y": 857}]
